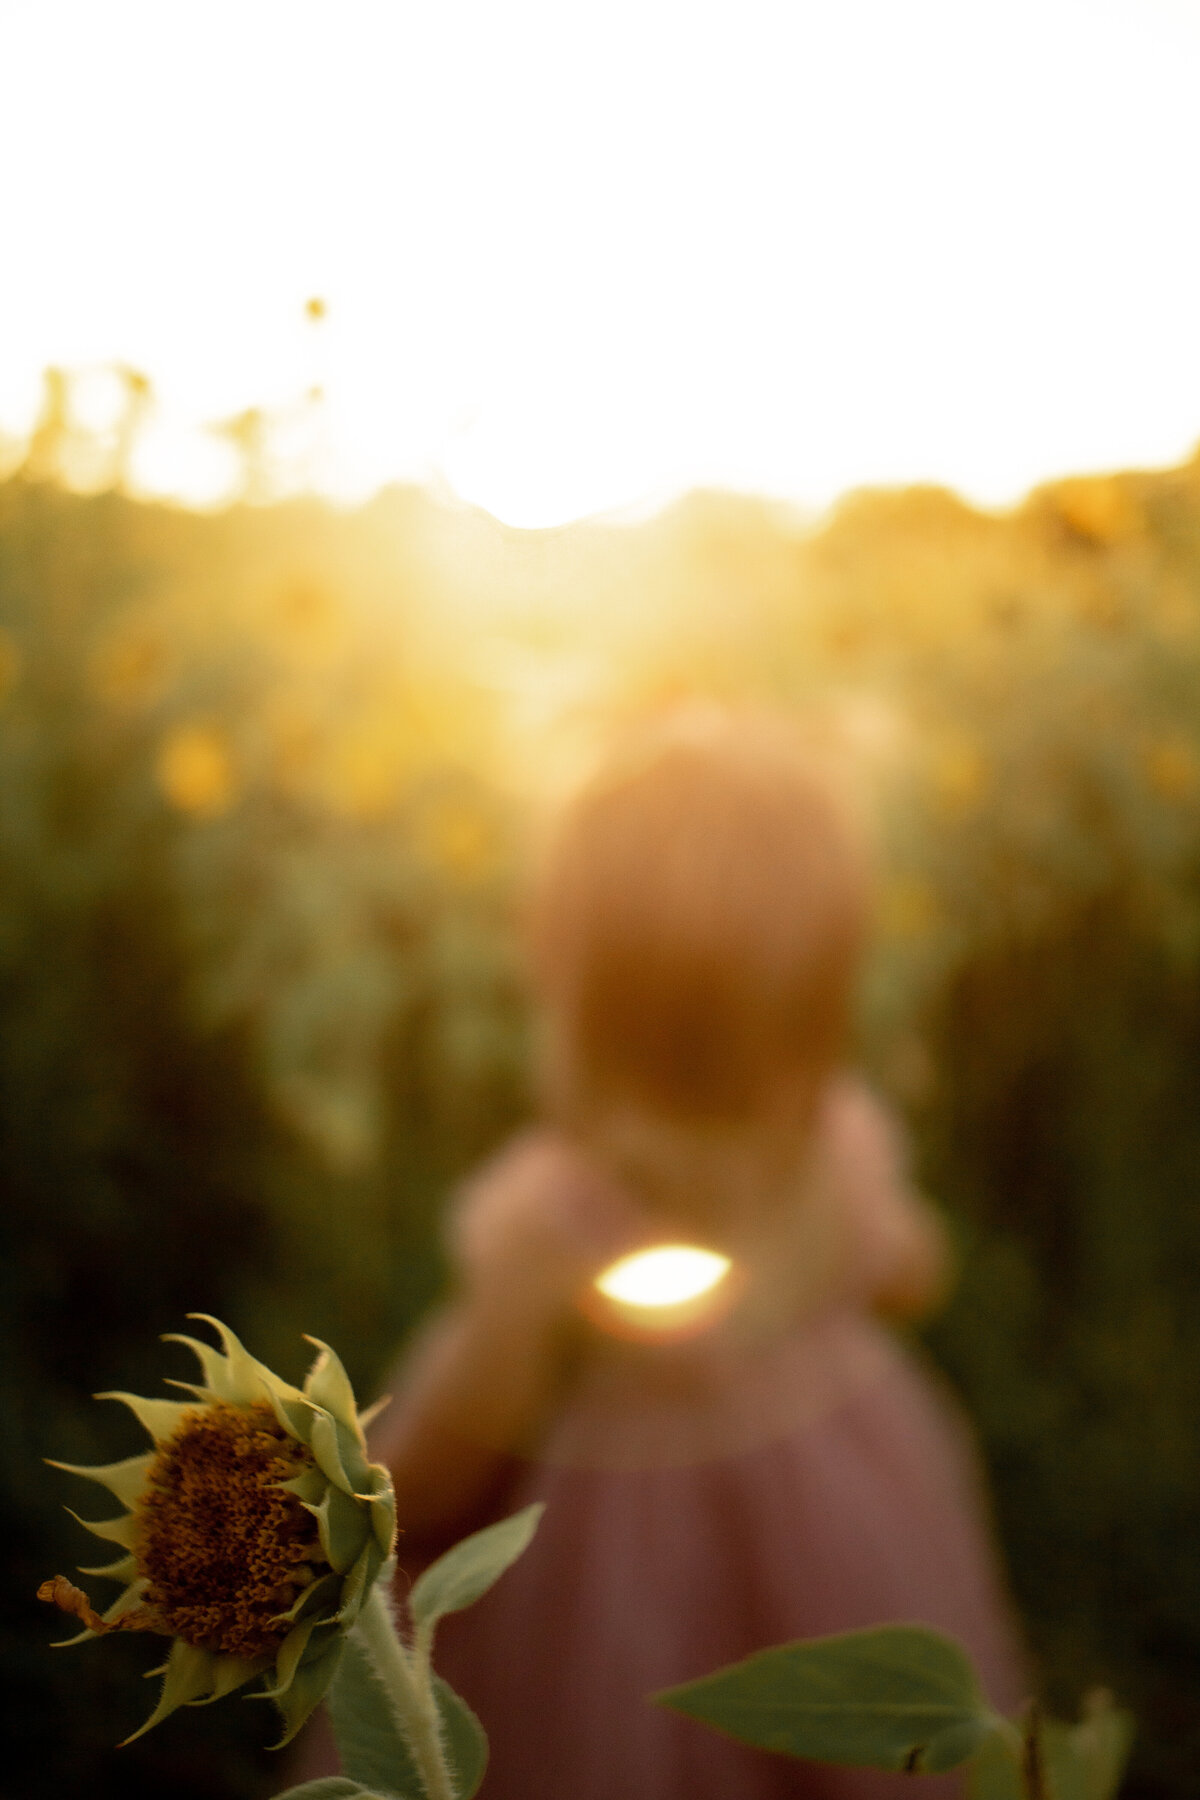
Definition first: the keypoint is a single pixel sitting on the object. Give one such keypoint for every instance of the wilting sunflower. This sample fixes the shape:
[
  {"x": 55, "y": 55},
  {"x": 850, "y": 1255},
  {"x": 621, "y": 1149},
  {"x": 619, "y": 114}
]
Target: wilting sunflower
[{"x": 252, "y": 1532}]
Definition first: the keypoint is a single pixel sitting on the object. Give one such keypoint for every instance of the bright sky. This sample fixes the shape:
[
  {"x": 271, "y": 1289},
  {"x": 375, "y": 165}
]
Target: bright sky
[{"x": 581, "y": 256}]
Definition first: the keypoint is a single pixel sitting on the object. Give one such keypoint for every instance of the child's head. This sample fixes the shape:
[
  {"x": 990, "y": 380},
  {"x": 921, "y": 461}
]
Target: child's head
[{"x": 696, "y": 933}]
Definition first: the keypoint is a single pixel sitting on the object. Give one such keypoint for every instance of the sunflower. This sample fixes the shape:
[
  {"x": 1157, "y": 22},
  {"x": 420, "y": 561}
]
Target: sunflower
[{"x": 252, "y": 1533}]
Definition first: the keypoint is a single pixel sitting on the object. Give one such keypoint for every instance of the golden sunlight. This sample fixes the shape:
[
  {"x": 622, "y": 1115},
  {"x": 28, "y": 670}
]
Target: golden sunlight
[{"x": 569, "y": 261}]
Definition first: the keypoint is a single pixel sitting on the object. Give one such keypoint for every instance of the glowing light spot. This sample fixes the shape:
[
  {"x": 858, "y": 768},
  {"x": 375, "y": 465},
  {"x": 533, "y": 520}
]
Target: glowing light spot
[{"x": 667, "y": 1275}]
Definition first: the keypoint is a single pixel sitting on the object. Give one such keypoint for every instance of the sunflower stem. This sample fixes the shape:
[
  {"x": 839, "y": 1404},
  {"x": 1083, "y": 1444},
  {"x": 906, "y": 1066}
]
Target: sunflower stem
[{"x": 407, "y": 1678}]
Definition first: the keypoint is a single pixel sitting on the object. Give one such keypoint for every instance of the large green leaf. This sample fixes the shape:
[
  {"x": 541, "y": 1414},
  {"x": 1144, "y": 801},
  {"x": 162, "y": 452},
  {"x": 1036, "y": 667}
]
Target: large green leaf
[
  {"x": 468, "y": 1570},
  {"x": 894, "y": 1697},
  {"x": 369, "y": 1740}
]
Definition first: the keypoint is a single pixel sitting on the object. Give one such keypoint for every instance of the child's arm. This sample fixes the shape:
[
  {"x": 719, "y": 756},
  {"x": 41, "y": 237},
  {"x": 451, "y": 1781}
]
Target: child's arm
[
  {"x": 530, "y": 1232},
  {"x": 916, "y": 1271},
  {"x": 468, "y": 1396},
  {"x": 905, "y": 1268}
]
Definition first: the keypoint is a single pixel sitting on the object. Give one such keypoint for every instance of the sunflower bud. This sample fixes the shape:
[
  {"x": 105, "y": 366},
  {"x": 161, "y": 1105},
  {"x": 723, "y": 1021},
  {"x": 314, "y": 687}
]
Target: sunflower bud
[{"x": 252, "y": 1533}]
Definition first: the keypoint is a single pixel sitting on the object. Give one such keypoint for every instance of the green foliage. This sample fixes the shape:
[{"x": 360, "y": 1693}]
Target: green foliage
[
  {"x": 466, "y": 1572},
  {"x": 896, "y": 1697},
  {"x": 904, "y": 1697},
  {"x": 371, "y": 1744}
]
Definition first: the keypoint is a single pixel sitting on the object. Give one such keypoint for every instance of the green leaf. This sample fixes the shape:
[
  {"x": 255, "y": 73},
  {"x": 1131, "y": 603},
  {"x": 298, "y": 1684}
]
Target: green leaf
[
  {"x": 466, "y": 1740},
  {"x": 468, "y": 1570},
  {"x": 893, "y": 1697},
  {"x": 337, "y": 1787},
  {"x": 369, "y": 1739}
]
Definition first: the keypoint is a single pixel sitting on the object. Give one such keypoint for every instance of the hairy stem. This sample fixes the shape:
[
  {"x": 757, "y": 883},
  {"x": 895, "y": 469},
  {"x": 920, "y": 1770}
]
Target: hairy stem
[{"x": 406, "y": 1677}]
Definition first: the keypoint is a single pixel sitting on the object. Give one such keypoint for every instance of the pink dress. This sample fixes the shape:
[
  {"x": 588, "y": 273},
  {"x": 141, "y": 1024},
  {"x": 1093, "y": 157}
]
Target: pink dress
[{"x": 708, "y": 1498}]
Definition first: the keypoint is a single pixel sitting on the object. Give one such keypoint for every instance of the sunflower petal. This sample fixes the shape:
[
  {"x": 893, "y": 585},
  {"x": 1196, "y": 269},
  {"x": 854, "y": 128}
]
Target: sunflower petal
[
  {"x": 307, "y": 1690},
  {"x": 244, "y": 1374},
  {"x": 124, "y": 1479},
  {"x": 369, "y": 1414},
  {"x": 295, "y": 1415},
  {"x": 309, "y": 1486},
  {"x": 324, "y": 1445},
  {"x": 358, "y": 1582},
  {"x": 189, "y": 1675},
  {"x": 126, "y": 1600},
  {"x": 287, "y": 1657},
  {"x": 124, "y": 1569},
  {"x": 116, "y": 1531},
  {"x": 161, "y": 1418},
  {"x": 123, "y": 1603},
  {"x": 320, "y": 1597},
  {"x": 383, "y": 1509},
  {"x": 215, "y": 1367},
  {"x": 203, "y": 1395},
  {"x": 329, "y": 1385},
  {"x": 342, "y": 1525},
  {"x": 229, "y": 1672}
]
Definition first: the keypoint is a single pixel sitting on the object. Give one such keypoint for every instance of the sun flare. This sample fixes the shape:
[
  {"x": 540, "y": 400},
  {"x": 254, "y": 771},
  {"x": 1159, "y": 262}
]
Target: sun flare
[{"x": 667, "y": 1275}]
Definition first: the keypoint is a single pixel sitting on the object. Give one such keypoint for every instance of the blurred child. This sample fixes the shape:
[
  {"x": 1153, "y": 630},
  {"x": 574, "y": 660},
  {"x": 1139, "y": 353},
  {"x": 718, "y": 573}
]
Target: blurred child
[{"x": 762, "y": 1465}]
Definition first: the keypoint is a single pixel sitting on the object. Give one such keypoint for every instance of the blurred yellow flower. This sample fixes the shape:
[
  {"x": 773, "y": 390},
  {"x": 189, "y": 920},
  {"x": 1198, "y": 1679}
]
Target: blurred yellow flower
[
  {"x": 1172, "y": 768},
  {"x": 195, "y": 770}
]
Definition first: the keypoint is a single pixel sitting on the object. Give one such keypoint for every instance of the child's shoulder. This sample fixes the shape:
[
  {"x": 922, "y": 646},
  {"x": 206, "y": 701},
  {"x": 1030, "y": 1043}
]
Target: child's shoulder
[{"x": 541, "y": 1188}]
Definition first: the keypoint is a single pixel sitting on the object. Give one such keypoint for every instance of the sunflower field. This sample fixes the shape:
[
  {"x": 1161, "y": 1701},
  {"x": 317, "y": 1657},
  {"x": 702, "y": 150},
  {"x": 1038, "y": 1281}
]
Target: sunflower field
[{"x": 269, "y": 778}]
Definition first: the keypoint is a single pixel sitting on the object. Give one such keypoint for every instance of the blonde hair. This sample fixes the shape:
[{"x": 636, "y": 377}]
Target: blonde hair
[{"x": 695, "y": 933}]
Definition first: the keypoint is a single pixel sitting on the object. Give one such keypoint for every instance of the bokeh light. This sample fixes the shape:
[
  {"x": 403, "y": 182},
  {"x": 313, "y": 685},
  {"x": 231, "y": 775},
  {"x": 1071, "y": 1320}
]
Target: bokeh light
[{"x": 666, "y": 1275}]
